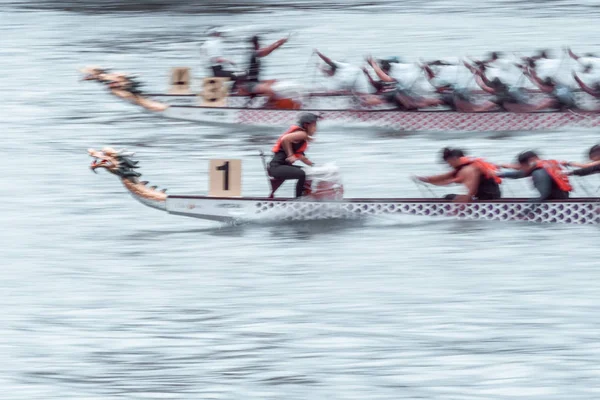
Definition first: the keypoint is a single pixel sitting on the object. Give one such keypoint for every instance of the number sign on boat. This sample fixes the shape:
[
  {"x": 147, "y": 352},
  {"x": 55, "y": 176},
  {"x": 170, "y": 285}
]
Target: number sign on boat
[
  {"x": 214, "y": 92},
  {"x": 225, "y": 178},
  {"x": 180, "y": 81}
]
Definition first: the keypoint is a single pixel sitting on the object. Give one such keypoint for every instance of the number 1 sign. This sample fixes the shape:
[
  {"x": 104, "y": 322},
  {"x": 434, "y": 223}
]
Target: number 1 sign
[{"x": 225, "y": 178}]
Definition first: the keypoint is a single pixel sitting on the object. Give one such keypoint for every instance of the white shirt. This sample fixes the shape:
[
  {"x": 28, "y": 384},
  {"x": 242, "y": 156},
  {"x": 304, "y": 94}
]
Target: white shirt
[
  {"x": 457, "y": 75},
  {"x": 213, "y": 50},
  {"x": 558, "y": 68},
  {"x": 506, "y": 70},
  {"x": 349, "y": 77},
  {"x": 410, "y": 76}
]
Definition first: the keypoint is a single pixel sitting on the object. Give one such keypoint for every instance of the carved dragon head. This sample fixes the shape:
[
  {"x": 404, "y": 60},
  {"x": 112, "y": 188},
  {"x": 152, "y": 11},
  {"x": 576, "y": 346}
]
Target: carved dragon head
[
  {"x": 116, "y": 162},
  {"x": 93, "y": 73},
  {"x": 114, "y": 80},
  {"x": 120, "y": 163}
]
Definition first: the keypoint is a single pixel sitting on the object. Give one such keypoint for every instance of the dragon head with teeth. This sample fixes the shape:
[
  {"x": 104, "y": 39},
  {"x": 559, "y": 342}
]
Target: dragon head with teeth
[
  {"x": 116, "y": 162},
  {"x": 120, "y": 163}
]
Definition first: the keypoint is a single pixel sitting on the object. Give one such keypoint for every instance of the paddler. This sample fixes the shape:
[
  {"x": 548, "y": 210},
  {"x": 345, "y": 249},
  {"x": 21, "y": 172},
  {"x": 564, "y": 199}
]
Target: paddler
[
  {"x": 290, "y": 147},
  {"x": 345, "y": 77},
  {"x": 561, "y": 93},
  {"x": 592, "y": 89},
  {"x": 458, "y": 99},
  {"x": 379, "y": 85},
  {"x": 213, "y": 50},
  {"x": 503, "y": 66},
  {"x": 548, "y": 177},
  {"x": 399, "y": 94},
  {"x": 512, "y": 99},
  {"x": 588, "y": 64},
  {"x": 476, "y": 174},
  {"x": 252, "y": 83}
]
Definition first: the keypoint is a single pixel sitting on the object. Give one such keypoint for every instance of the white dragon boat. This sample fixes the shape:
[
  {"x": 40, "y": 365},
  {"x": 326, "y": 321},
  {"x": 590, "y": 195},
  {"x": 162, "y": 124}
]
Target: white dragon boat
[
  {"x": 215, "y": 106},
  {"x": 225, "y": 203}
]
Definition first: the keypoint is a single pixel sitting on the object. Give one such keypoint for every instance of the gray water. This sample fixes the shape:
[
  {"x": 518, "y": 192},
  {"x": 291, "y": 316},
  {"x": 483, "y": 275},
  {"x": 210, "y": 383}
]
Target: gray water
[{"x": 103, "y": 298}]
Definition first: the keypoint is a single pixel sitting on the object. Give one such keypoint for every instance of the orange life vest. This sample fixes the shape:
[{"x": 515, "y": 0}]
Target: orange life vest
[
  {"x": 553, "y": 168},
  {"x": 487, "y": 169},
  {"x": 298, "y": 152}
]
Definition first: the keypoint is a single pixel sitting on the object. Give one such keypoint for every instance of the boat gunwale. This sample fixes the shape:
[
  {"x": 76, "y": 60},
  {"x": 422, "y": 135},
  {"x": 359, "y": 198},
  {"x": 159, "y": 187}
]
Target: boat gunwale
[
  {"x": 395, "y": 110},
  {"x": 518, "y": 200}
]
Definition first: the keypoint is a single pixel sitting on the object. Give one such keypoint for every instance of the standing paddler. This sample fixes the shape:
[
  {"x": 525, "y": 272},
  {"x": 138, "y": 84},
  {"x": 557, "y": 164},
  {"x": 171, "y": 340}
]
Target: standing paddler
[
  {"x": 290, "y": 147},
  {"x": 477, "y": 175}
]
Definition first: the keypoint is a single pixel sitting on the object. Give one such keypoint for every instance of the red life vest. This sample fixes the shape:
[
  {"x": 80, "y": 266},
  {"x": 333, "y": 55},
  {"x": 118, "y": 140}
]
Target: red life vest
[
  {"x": 553, "y": 168},
  {"x": 488, "y": 170},
  {"x": 298, "y": 152}
]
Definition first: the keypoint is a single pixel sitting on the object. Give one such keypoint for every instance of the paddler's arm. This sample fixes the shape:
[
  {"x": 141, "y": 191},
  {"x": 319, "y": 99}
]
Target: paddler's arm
[
  {"x": 480, "y": 78},
  {"x": 580, "y": 165},
  {"x": 594, "y": 169},
  {"x": 373, "y": 82},
  {"x": 585, "y": 87},
  {"x": 306, "y": 161},
  {"x": 572, "y": 55},
  {"x": 438, "y": 180},
  {"x": 512, "y": 175},
  {"x": 287, "y": 141},
  {"x": 481, "y": 82},
  {"x": 474, "y": 70},
  {"x": 509, "y": 166},
  {"x": 535, "y": 79},
  {"x": 382, "y": 75},
  {"x": 325, "y": 59},
  {"x": 265, "y": 51},
  {"x": 428, "y": 72}
]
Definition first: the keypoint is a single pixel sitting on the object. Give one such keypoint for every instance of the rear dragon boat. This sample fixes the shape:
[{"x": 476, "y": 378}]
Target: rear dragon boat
[
  {"x": 326, "y": 200},
  {"x": 215, "y": 106}
]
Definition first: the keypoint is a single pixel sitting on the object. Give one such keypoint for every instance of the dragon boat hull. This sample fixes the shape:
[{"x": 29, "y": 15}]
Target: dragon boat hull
[
  {"x": 341, "y": 110},
  {"x": 574, "y": 211},
  {"x": 426, "y": 121},
  {"x": 326, "y": 200}
]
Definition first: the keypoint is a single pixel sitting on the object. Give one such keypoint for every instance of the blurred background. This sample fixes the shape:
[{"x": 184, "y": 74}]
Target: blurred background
[{"x": 104, "y": 298}]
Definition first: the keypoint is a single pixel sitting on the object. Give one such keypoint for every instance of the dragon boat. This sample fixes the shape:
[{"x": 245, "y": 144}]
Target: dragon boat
[
  {"x": 214, "y": 105},
  {"x": 324, "y": 199}
]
